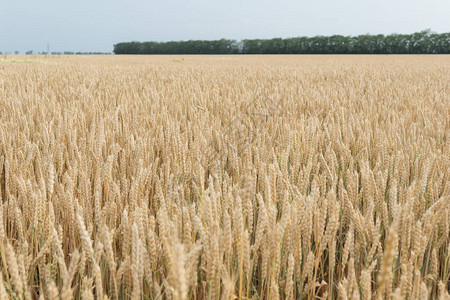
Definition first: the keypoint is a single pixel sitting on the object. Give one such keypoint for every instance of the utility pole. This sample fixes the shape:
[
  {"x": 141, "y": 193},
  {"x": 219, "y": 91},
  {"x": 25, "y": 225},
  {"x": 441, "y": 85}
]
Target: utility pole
[{"x": 48, "y": 48}]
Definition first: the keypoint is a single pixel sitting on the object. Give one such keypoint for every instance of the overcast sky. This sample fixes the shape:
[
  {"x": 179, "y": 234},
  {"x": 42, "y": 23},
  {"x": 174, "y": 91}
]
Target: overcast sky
[{"x": 96, "y": 25}]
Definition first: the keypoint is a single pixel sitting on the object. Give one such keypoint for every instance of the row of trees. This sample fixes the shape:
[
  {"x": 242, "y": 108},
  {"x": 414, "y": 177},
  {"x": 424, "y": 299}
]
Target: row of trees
[
  {"x": 79, "y": 53},
  {"x": 30, "y": 52},
  {"x": 424, "y": 42}
]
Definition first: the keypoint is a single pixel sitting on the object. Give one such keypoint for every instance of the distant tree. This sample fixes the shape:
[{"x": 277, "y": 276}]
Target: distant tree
[
  {"x": 16, "y": 52},
  {"x": 338, "y": 44},
  {"x": 252, "y": 47},
  {"x": 420, "y": 42},
  {"x": 273, "y": 46},
  {"x": 29, "y": 52}
]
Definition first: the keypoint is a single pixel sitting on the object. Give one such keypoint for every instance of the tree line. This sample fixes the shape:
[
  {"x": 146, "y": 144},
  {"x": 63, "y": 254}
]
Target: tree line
[
  {"x": 424, "y": 42},
  {"x": 31, "y": 52}
]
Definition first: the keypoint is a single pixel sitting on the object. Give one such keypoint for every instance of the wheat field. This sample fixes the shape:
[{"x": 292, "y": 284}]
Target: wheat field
[{"x": 225, "y": 177}]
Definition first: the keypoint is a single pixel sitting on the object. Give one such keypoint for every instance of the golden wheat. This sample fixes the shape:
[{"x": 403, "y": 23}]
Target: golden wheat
[{"x": 217, "y": 177}]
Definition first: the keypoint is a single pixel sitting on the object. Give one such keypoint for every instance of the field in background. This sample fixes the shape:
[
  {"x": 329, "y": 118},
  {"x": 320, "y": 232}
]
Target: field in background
[{"x": 217, "y": 177}]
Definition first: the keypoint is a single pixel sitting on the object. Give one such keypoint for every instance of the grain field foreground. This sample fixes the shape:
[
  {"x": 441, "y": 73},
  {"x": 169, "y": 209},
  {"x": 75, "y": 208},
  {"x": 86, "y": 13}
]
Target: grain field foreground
[{"x": 224, "y": 177}]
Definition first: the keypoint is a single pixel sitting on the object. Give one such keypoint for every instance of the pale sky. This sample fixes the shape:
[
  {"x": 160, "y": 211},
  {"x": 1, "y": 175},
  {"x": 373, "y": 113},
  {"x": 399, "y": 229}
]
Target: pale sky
[{"x": 96, "y": 25}]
